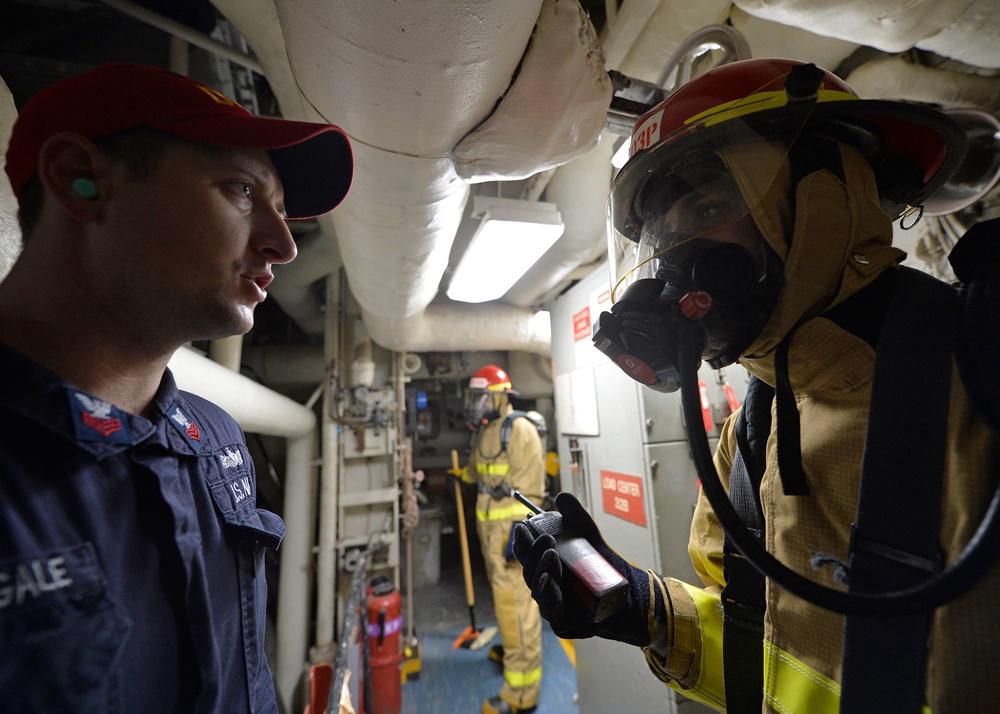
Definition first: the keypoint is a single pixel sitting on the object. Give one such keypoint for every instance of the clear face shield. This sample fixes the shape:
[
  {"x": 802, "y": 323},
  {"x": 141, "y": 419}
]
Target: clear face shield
[
  {"x": 684, "y": 247},
  {"x": 693, "y": 211},
  {"x": 480, "y": 407}
]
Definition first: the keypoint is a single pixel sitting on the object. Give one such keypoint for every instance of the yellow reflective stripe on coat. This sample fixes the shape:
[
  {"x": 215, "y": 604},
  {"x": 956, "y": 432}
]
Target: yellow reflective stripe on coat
[
  {"x": 520, "y": 680},
  {"x": 710, "y": 688},
  {"x": 498, "y": 514},
  {"x": 795, "y": 687},
  {"x": 792, "y": 686},
  {"x": 492, "y": 469}
]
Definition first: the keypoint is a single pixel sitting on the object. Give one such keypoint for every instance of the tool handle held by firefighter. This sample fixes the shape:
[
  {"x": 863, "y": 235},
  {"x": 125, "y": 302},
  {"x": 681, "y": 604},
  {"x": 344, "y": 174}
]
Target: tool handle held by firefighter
[
  {"x": 600, "y": 588},
  {"x": 470, "y": 596}
]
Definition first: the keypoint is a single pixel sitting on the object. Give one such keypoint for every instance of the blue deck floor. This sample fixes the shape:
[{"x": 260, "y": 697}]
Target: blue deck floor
[{"x": 456, "y": 681}]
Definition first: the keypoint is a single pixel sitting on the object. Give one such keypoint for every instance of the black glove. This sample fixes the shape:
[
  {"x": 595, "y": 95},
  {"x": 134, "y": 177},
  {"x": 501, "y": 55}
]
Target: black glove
[{"x": 570, "y": 618}]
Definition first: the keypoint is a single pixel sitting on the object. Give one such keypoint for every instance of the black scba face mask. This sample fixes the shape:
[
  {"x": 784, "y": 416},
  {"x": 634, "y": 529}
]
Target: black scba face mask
[
  {"x": 480, "y": 408},
  {"x": 699, "y": 259}
]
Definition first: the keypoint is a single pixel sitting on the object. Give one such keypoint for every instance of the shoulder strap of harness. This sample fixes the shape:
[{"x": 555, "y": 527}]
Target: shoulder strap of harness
[
  {"x": 507, "y": 426},
  {"x": 743, "y": 597},
  {"x": 895, "y": 537}
]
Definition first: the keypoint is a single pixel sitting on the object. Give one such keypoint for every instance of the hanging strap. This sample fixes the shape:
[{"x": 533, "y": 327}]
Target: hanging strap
[
  {"x": 894, "y": 541},
  {"x": 744, "y": 595},
  {"x": 743, "y": 601},
  {"x": 507, "y": 426}
]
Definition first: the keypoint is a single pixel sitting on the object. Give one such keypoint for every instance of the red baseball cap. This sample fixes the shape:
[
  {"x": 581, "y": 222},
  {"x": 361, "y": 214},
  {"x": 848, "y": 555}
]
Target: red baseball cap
[{"x": 314, "y": 161}]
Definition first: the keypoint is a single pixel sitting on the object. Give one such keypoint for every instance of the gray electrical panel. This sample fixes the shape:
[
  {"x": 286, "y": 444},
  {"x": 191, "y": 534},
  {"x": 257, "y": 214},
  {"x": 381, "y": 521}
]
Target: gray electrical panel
[{"x": 623, "y": 452}]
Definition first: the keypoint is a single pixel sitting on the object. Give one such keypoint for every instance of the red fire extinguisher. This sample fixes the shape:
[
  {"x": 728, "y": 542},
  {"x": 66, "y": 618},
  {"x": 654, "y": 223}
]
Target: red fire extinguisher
[{"x": 385, "y": 624}]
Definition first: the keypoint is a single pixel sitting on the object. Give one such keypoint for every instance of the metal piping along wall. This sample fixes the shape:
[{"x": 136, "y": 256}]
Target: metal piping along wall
[{"x": 326, "y": 555}]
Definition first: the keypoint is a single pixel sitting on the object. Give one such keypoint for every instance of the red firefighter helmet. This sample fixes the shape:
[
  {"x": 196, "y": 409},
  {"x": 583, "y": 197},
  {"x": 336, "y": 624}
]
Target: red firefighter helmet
[
  {"x": 481, "y": 406},
  {"x": 491, "y": 379},
  {"x": 913, "y": 149}
]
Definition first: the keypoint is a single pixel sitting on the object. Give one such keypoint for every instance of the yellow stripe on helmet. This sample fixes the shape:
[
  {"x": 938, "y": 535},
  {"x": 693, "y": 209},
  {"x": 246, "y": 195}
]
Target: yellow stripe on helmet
[{"x": 756, "y": 103}]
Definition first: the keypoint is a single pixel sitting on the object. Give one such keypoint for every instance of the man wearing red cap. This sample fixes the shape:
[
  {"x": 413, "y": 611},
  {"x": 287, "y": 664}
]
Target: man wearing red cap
[{"x": 152, "y": 210}]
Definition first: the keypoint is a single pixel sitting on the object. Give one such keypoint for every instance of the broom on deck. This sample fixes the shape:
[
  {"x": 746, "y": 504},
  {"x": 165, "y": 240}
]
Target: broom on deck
[{"x": 471, "y": 638}]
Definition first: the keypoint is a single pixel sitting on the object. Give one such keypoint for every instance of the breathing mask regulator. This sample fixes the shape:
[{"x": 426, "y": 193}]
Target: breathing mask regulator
[
  {"x": 692, "y": 277},
  {"x": 695, "y": 257},
  {"x": 480, "y": 409}
]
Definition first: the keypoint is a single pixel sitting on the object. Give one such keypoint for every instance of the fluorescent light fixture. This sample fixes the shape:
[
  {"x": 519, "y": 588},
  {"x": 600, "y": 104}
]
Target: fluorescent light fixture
[
  {"x": 511, "y": 237},
  {"x": 621, "y": 155}
]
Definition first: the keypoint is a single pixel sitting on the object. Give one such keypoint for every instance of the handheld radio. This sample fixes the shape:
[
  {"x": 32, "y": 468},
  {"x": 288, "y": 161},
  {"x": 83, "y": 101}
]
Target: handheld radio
[{"x": 596, "y": 583}]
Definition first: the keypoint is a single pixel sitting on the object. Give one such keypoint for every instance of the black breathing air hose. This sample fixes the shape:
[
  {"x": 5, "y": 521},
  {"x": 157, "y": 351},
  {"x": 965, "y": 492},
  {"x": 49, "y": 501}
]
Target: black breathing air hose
[{"x": 982, "y": 550}]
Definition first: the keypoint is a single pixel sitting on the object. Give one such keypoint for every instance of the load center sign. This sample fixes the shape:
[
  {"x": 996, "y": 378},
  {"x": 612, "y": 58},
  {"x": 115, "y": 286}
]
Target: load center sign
[{"x": 622, "y": 495}]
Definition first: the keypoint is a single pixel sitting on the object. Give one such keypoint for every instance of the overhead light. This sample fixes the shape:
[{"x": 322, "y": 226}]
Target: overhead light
[
  {"x": 511, "y": 237},
  {"x": 621, "y": 155}
]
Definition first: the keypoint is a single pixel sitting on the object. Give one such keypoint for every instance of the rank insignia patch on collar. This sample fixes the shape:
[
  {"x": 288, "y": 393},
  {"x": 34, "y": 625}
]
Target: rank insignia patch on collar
[
  {"x": 97, "y": 420},
  {"x": 187, "y": 428}
]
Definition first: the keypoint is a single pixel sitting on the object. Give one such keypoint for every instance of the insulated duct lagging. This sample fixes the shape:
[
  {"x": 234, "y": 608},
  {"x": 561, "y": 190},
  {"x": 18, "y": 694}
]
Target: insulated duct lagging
[{"x": 410, "y": 83}]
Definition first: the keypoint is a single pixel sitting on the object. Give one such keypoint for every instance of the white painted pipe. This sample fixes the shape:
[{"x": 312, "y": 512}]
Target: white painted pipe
[
  {"x": 172, "y": 27},
  {"x": 227, "y": 351},
  {"x": 295, "y": 566},
  {"x": 255, "y": 408},
  {"x": 327, "y": 568},
  {"x": 326, "y": 557}
]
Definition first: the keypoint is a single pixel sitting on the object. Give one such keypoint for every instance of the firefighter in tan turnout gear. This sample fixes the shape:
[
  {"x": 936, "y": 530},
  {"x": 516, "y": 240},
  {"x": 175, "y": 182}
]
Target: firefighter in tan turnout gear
[
  {"x": 506, "y": 455},
  {"x": 753, "y": 224}
]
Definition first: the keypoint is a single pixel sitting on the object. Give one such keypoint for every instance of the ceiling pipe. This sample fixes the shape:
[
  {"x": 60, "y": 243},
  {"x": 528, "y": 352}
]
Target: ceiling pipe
[
  {"x": 256, "y": 408},
  {"x": 961, "y": 29},
  {"x": 295, "y": 286},
  {"x": 407, "y": 87},
  {"x": 456, "y": 327},
  {"x": 179, "y": 29},
  {"x": 895, "y": 78}
]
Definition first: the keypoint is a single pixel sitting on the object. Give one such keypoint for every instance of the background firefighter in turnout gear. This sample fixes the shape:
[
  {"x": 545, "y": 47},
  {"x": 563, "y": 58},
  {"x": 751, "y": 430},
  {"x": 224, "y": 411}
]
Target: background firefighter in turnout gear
[{"x": 498, "y": 470}]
